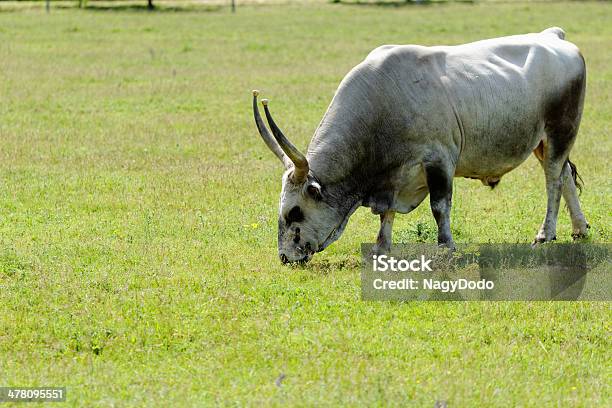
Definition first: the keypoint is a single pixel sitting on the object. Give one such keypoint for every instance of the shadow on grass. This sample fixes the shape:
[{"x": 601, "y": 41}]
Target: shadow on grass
[{"x": 325, "y": 266}]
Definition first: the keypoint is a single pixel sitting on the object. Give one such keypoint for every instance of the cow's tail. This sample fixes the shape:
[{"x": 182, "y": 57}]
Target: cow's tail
[{"x": 575, "y": 176}]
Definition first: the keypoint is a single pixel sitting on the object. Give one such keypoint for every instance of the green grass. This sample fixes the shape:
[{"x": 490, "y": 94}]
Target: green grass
[{"x": 138, "y": 207}]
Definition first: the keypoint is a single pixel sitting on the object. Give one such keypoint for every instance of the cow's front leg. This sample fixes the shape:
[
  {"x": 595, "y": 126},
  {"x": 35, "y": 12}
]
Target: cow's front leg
[
  {"x": 440, "y": 185},
  {"x": 383, "y": 241}
]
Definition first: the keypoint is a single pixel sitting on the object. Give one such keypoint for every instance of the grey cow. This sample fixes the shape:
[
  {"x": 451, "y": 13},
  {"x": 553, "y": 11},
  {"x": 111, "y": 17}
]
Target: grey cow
[{"x": 409, "y": 118}]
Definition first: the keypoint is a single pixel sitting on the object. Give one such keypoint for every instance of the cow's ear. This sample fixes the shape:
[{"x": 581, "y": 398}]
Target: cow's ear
[{"x": 314, "y": 190}]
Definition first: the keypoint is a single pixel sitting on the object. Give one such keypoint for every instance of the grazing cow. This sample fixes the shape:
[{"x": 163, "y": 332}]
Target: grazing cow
[{"x": 409, "y": 118}]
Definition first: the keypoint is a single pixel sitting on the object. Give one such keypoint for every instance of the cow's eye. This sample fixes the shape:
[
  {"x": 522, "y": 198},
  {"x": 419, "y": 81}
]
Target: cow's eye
[
  {"x": 314, "y": 191},
  {"x": 295, "y": 215}
]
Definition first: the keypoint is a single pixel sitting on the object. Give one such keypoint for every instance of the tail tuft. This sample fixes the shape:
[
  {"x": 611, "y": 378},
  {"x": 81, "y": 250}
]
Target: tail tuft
[{"x": 575, "y": 176}]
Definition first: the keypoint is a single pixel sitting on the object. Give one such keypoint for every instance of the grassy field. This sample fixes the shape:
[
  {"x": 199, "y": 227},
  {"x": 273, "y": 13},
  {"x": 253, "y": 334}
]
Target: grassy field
[{"x": 138, "y": 262}]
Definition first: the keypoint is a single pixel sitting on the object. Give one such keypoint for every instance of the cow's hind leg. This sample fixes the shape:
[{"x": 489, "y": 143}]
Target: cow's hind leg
[
  {"x": 561, "y": 129},
  {"x": 580, "y": 225},
  {"x": 553, "y": 176},
  {"x": 440, "y": 185},
  {"x": 569, "y": 191}
]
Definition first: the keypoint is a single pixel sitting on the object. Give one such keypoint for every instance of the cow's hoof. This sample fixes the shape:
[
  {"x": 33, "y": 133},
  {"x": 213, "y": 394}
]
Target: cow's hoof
[
  {"x": 542, "y": 240},
  {"x": 581, "y": 234},
  {"x": 380, "y": 250},
  {"x": 449, "y": 245}
]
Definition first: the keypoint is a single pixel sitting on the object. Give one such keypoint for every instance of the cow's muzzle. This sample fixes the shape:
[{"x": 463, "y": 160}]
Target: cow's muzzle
[{"x": 285, "y": 259}]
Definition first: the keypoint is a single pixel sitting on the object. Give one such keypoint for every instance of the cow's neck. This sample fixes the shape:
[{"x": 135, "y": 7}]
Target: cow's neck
[{"x": 348, "y": 164}]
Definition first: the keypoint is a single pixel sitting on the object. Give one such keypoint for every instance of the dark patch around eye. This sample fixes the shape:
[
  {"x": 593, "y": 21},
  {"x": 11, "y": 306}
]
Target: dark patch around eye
[
  {"x": 295, "y": 215},
  {"x": 314, "y": 192}
]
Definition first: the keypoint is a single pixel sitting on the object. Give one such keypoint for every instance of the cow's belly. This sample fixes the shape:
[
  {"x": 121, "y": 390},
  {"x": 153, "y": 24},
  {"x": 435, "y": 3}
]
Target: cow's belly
[
  {"x": 500, "y": 144},
  {"x": 500, "y": 105}
]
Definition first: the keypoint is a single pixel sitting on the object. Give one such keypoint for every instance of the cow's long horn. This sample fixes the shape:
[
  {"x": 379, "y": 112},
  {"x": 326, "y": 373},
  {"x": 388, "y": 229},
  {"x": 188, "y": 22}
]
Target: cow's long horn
[
  {"x": 265, "y": 134},
  {"x": 299, "y": 160}
]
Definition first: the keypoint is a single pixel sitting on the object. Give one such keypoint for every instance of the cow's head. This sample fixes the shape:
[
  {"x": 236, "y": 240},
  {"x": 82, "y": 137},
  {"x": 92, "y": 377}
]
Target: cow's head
[{"x": 308, "y": 218}]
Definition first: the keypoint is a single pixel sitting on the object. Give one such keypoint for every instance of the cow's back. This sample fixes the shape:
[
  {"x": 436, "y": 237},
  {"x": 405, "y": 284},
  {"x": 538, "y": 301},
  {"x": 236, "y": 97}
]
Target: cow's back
[
  {"x": 503, "y": 90},
  {"x": 484, "y": 100},
  {"x": 494, "y": 93}
]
